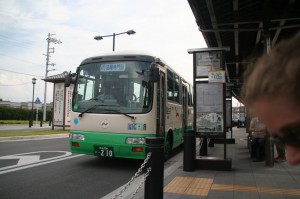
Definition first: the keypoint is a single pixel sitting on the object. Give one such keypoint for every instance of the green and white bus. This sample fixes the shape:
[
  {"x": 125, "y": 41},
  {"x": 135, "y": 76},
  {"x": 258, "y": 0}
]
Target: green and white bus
[{"x": 145, "y": 98}]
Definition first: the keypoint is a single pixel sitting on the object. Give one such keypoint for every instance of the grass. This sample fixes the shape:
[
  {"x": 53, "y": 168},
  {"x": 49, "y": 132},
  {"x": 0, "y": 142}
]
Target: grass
[{"x": 29, "y": 133}]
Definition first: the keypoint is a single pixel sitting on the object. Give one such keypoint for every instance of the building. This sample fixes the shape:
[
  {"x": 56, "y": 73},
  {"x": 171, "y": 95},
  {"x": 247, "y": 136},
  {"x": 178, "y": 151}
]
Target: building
[{"x": 25, "y": 105}]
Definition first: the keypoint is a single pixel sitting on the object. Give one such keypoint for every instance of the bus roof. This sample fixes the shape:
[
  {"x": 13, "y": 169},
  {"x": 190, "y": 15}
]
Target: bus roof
[
  {"x": 129, "y": 55},
  {"x": 126, "y": 55}
]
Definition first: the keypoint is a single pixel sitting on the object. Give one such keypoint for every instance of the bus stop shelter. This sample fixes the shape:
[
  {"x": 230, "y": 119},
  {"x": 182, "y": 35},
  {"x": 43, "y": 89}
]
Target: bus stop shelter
[
  {"x": 249, "y": 28},
  {"x": 62, "y": 101}
]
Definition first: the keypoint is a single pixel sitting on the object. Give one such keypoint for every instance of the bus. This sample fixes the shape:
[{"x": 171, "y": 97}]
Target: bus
[{"x": 145, "y": 98}]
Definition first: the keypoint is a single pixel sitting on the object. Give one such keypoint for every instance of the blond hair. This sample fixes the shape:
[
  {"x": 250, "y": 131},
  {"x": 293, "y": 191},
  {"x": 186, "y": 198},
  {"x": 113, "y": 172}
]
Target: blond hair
[{"x": 276, "y": 73}]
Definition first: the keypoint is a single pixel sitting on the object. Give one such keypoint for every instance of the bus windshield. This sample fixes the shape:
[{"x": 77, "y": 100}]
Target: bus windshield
[{"x": 113, "y": 87}]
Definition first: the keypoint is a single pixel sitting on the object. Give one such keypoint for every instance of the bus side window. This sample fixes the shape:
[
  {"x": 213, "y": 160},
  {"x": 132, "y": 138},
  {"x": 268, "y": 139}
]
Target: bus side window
[
  {"x": 170, "y": 84},
  {"x": 176, "y": 88}
]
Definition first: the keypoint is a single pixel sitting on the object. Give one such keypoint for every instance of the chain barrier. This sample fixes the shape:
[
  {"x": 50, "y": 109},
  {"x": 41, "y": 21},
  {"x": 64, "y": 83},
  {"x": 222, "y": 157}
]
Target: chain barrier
[
  {"x": 141, "y": 183},
  {"x": 200, "y": 143},
  {"x": 137, "y": 174}
]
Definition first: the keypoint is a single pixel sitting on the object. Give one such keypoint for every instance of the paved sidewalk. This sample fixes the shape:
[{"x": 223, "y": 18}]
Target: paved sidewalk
[{"x": 247, "y": 180}]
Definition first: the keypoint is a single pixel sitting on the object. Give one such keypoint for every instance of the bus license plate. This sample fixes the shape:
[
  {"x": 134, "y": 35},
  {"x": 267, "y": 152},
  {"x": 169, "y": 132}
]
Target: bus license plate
[{"x": 103, "y": 151}]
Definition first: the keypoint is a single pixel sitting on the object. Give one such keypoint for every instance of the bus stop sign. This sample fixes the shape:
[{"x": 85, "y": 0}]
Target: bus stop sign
[{"x": 37, "y": 101}]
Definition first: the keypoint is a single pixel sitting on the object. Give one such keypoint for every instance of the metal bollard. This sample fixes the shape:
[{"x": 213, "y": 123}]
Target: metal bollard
[
  {"x": 203, "y": 149},
  {"x": 155, "y": 181},
  {"x": 269, "y": 151},
  {"x": 189, "y": 152}
]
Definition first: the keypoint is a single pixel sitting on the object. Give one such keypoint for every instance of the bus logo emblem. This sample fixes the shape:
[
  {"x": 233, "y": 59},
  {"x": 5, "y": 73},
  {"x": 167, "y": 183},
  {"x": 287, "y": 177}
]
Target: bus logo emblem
[{"x": 104, "y": 124}]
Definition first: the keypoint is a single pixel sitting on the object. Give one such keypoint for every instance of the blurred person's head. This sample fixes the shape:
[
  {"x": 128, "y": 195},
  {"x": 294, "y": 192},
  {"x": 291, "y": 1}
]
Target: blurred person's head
[{"x": 272, "y": 91}]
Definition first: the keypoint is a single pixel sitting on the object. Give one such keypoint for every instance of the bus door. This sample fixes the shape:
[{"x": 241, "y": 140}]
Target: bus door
[
  {"x": 184, "y": 107},
  {"x": 161, "y": 105}
]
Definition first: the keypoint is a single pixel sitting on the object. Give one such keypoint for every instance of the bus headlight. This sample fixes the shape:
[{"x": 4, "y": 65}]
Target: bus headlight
[
  {"x": 135, "y": 140},
  {"x": 76, "y": 136}
]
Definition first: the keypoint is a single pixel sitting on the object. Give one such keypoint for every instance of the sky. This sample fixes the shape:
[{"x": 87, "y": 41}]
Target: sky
[{"x": 166, "y": 29}]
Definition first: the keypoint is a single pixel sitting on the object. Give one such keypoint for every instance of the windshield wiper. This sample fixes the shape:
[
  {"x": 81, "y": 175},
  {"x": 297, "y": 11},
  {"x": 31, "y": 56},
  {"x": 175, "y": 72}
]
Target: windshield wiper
[
  {"x": 87, "y": 110},
  {"x": 97, "y": 99},
  {"x": 91, "y": 108},
  {"x": 116, "y": 111}
]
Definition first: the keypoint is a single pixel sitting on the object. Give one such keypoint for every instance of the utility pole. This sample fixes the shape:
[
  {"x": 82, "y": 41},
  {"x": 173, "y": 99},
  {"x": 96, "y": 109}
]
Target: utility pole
[{"x": 49, "y": 50}]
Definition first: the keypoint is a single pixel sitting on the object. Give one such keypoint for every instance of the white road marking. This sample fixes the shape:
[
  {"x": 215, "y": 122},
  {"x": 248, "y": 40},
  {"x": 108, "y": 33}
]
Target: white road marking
[{"x": 29, "y": 161}]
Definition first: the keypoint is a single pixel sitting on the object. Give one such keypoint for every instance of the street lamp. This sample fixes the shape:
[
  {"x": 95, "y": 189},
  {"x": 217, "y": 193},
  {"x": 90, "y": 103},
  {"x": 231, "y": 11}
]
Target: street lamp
[
  {"x": 128, "y": 32},
  {"x": 31, "y": 119}
]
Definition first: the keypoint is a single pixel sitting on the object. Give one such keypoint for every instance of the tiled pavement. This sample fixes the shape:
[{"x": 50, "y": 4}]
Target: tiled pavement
[{"x": 247, "y": 179}]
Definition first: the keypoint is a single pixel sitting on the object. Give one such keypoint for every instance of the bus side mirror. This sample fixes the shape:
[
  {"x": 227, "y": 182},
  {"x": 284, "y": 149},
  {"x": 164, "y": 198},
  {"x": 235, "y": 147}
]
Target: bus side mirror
[
  {"x": 67, "y": 79},
  {"x": 154, "y": 75}
]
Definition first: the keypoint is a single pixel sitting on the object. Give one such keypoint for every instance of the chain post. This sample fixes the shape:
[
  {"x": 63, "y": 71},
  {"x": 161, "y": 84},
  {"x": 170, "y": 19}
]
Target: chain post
[
  {"x": 189, "y": 151},
  {"x": 155, "y": 181}
]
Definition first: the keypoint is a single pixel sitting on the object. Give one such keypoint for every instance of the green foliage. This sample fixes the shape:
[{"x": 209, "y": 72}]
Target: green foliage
[
  {"x": 22, "y": 133},
  {"x": 5, "y": 122},
  {"x": 11, "y": 113}
]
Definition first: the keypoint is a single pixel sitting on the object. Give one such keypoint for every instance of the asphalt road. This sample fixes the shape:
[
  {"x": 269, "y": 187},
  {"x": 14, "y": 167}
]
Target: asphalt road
[{"x": 45, "y": 169}]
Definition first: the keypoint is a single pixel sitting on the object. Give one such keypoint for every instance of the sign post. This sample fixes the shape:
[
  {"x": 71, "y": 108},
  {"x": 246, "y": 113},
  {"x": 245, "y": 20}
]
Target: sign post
[
  {"x": 210, "y": 103},
  {"x": 37, "y": 102},
  {"x": 62, "y": 105}
]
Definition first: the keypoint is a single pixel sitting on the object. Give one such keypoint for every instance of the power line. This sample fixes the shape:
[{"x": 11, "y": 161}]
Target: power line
[
  {"x": 12, "y": 57},
  {"x": 4, "y": 37},
  {"x": 20, "y": 73},
  {"x": 16, "y": 84}
]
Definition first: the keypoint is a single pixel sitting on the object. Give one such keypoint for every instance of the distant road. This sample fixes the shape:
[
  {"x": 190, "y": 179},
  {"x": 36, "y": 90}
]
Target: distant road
[{"x": 23, "y": 127}]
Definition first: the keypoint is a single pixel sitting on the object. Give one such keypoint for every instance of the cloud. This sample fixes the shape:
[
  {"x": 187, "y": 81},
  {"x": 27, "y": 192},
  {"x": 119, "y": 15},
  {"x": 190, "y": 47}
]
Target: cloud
[{"x": 163, "y": 28}]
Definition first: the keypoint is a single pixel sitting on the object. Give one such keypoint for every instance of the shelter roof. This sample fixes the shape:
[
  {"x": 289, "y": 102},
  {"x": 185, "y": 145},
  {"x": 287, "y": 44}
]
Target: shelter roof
[{"x": 245, "y": 26}]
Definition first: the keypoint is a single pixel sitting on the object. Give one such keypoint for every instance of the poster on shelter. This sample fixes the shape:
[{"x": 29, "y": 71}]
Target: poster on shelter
[
  {"x": 59, "y": 111},
  {"x": 58, "y": 103},
  {"x": 216, "y": 76},
  {"x": 68, "y": 109},
  {"x": 208, "y": 61},
  {"x": 210, "y": 109}
]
